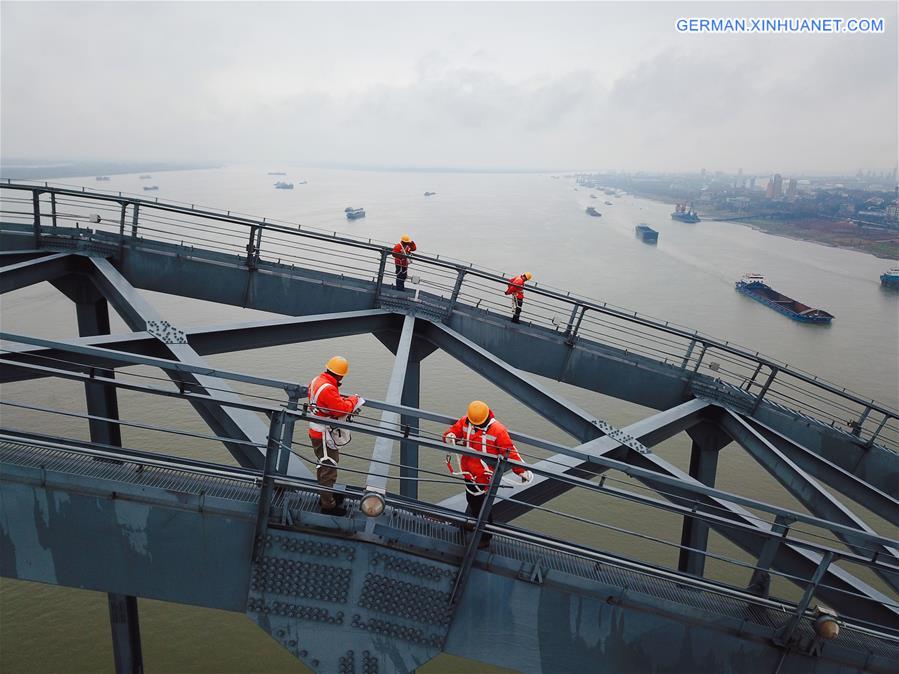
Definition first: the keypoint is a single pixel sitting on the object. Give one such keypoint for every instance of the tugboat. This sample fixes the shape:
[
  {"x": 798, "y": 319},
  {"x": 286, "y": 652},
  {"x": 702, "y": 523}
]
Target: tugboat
[
  {"x": 684, "y": 214},
  {"x": 430, "y": 194},
  {"x": 646, "y": 233},
  {"x": 592, "y": 211},
  {"x": 891, "y": 278},
  {"x": 354, "y": 213},
  {"x": 608, "y": 203},
  {"x": 754, "y": 286},
  {"x": 280, "y": 185}
]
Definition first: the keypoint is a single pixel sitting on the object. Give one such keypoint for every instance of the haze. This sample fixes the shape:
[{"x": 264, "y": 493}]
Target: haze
[{"x": 517, "y": 86}]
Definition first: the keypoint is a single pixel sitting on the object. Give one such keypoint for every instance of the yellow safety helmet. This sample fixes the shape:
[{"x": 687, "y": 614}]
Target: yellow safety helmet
[
  {"x": 528, "y": 275},
  {"x": 405, "y": 238},
  {"x": 338, "y": 365},
  {"x": 478, "y": 412}
]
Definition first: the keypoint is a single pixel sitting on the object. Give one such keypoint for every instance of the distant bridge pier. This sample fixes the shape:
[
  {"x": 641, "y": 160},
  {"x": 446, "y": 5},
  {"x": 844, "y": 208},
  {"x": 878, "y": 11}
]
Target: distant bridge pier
[
  {"x": 92, "y": 312},
  {"x": 707, "y": 442}
]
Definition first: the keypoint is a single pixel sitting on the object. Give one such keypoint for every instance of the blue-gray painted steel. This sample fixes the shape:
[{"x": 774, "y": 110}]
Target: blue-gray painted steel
[
  {"x": 806, "y": 490},
  {"x": 29, "y": 272},
  {"x": 695, "y": 533},
  {"x": 478, "y": 338},
  {"x": 382, "y": 453},
  {"x": 331, "y": 595}
]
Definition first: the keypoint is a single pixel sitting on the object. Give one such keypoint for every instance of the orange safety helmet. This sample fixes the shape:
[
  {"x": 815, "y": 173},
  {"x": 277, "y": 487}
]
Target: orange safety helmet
[
  {"x": 528, "y": 275},
  {"x": 338, "y": 365},
  {"x": 478, "y": 412},
  {"x": 405, "y": 238}
]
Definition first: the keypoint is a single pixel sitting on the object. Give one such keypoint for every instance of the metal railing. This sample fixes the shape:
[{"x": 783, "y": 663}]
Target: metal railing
[
  {"x": 47, "y": 207},
  {"x": 801, "y": 530}
]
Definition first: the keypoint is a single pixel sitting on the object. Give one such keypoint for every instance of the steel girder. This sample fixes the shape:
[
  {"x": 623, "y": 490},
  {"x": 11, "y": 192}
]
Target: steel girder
[
  {"x": 806, "y": 490},
  {"x": 28, "y": 272},
  {"x": 207, "y": 340},
  {"x": 547, "y": 404},
  {"x": 838, "y": 586},
  {"x": 566, "y": 613},
  {"x": 650, "y": 431},
  {"x": 844, "y": 481},
  {"x": 228, "y": 422},
  {"x": 382, "y": 453}
]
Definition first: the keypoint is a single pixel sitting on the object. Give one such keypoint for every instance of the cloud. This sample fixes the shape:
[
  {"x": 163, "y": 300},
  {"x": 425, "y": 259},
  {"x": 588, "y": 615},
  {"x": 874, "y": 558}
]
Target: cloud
[{"x": 529, "y": 86}]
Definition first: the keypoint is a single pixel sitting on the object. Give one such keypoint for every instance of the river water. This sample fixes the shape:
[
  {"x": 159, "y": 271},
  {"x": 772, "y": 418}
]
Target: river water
[{"x": 508, "y": 222}]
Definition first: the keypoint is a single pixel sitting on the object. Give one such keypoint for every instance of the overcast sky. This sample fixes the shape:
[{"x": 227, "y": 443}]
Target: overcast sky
[{"x": 536, "y": 85}]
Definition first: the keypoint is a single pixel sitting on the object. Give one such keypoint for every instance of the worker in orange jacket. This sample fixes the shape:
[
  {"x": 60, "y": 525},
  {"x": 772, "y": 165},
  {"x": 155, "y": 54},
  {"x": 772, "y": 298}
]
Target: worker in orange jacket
[
  {"x": 401, "y": 253},
  {"x": 325, "y": 402},
  {"x": 481, "y": 431},
  {"x": 516, "y": 290}
]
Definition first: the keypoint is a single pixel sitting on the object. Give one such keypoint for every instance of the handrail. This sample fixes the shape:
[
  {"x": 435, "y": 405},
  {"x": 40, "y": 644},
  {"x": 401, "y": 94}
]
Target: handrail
[
  {"x": 579, "y": 306},
  {"x": 376, "y": 430}
]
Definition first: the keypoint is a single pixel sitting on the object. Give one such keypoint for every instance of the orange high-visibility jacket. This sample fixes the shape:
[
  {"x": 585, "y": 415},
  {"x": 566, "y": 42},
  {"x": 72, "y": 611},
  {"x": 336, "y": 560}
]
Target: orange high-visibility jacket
[
  {"x": 516, "y": 287},
  {"x": 325, "y": 402},
  {"x": 399, "y": 253},
  {"x": 490, "y": 439}
]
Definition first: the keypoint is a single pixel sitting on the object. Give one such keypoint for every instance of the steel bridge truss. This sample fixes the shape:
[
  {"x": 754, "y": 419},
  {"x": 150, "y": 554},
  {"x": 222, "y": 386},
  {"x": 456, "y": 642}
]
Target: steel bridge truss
[{"x": 784, "y": 419}]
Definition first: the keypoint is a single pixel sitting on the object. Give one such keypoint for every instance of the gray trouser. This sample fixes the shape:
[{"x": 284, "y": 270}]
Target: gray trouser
[{"x": 326, "y": 474}]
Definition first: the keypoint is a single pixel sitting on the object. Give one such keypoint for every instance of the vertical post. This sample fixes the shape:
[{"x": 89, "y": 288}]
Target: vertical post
[
  {"x": 760, "y": 583},
  {"x": 53, "y": 208},
  {"x": 755, "y": 374},
  {"x": 251, "y": 249},
  {"x": 571, "y": 318},
  {"x": 380, "y": 280},
  {"x": 457, "y": 288},
  {"x": 293, "y": 394},
  {"x": 125, "y": 634},
  {"x": 761, "y": 394},
  {"x": 475, "y": 540},
  {"x": 689, "y": 353},
  {"x": 268, "y": 483},
  {"x": 36, "y": 205},
  {"x": 857, "y": 426},
  {"x": 877, "y": 430},
  {"x": 695, "y": 533},
  {"x": 92, "y": 313},
  {"x": 122, "y": 220},
  {"x": 572, "y": 334},
  {"x": 134, "y": 220},
  {"x": 786, "y": 632},
  {"x": 410, "y": 424}
]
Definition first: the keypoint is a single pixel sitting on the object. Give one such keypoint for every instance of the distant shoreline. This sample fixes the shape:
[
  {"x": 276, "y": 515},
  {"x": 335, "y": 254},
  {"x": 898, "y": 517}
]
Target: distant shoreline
[
  {"x": 834, "y": 234},
  {"x": 23, "y": 169}
]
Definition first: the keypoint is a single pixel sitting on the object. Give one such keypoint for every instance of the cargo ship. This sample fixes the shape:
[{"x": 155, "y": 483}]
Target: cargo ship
[
  {"x": 646, "y": 233},
  {"x": 592, "y": 211},
  {"x": 754, "y": 286},
  {"x": 354, "y": 213},
  {"x": 684, "y": 214},
  {"x": 891, "y": 278}
]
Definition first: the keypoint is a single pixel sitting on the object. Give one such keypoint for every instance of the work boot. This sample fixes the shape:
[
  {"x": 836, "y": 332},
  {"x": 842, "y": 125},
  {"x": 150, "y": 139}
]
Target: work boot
[
  {"x": 515, "y": 319},
  {"x": 336, "y": 511}
]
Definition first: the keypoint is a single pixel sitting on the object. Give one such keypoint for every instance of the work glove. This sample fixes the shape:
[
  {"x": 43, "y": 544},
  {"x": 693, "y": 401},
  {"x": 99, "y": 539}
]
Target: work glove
[
  {"x": 450, "y": 439},
  {"x": 526, "y": 477}
]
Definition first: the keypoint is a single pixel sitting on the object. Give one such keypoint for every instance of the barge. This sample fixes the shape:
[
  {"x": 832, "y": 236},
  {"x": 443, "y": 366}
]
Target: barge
[
  {"x": 683, "y": 214},
  {"x": 354, "y": 213},
  {"x": 646, "y": 233},
  {"x": 891, "y": 278},
  {"x": 281, "y": 185},
  {"x": 754, "y": 286}
]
